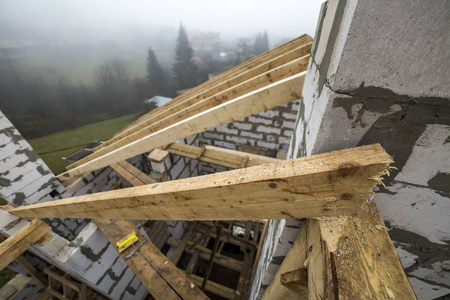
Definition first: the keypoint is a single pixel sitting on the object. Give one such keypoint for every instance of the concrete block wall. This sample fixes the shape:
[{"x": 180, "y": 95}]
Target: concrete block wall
[
  {"x": 379, "y": 74},
  {"x": 78, "y": 247},
  {"x": 26, "y": 179},
  {"x": 271, "y": 130},
  {"x": 89, "y": 258},
  {"x": 183, "y": 167}
]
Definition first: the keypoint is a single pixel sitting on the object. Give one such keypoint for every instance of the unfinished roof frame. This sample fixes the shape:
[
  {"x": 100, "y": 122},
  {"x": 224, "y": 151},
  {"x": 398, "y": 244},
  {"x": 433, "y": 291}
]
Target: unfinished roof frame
[{"x": 326, "y": 185}]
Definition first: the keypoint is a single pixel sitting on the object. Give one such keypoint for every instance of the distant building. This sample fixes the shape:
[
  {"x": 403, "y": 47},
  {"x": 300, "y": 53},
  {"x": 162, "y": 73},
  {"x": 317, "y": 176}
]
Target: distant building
[
  {"x": 206, "y": 44},
  {"x": 156, "y": 101},
  {"x": 79, "y": 154}
]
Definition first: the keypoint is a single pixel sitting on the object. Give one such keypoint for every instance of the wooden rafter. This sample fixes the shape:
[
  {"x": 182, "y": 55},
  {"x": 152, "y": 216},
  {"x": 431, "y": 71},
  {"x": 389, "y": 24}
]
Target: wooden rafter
[
  {"x": 160, "y": 276},
  {"x": 131, "y": 174},
  {"x": 287, "y": 52},
  {"x": 196, "y": 106},
  {"x": 345, "y": 258},
  {"x": 295, "y": 259},
  {"x": 20, "y": 241},
  {"x": 354, "y": 258},
  {"x": 268, "y": 97},
  {"x": 329, "y": 184},
  {"x": 220, "y": 156}
]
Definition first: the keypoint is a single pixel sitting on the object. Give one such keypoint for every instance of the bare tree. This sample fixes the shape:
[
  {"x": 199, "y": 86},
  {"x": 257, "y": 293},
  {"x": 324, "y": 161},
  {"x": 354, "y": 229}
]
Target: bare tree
[{"x": 112, "y": 74}]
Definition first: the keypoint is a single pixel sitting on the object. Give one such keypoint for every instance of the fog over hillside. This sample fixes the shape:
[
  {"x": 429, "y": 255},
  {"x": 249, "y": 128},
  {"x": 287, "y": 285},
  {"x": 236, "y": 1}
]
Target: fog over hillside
[
  {"x": 68, "y": 63},
  {"x": 120, "y": 20}
]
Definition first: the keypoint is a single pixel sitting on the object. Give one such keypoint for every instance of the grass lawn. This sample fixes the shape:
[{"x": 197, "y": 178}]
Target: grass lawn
[
  {"x": 75, "y": 139},
  {"x": 5, "y": 276}
]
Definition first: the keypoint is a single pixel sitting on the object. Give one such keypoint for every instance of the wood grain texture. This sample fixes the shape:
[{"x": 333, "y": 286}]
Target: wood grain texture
[
  {"x": 273, "y": 95},
  {"x": 220, "y": 156},
  {"x": 357, "y": 257},
  {"x": 131, "y": 174},
  {"x": 20, "y": 241},
  {"x": 329, "y": 184},
  {"x": 289, "y": 51},
  {"x": 295, "y": 259},
  {"x": 215, "y": 288},
  {"x": 161, "y": 277},
  {"x": 296, "y": 281},
  {"x": 205, "y": 254},
  {"x": 195, "y": 106}
]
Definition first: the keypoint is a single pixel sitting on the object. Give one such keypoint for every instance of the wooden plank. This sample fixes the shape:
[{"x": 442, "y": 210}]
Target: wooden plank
[
  {"x": 158, "y": 155},
  {"x": 20, "y": 241},
  {"x": 45, "y": 295},
  {"x": 74, "y": 286},
  {"x": 213, "y": 287},
  {"x": 175, "y": 257},
  {"x": 295, "y": 259},
  {"x": 220, "y": 156},
  {"x": 131, "y": 174},
  {"x": 195, "y": 106},
  {"x": 296, "y": 280},
  {"x": 148, "y": 259},
  {"x": 329, "y": 184},
  {"x": 32, "y": 270},
  {"x": 358, "y": 258},
  {"x": 176, "y": 278},
  {"x": 28, "y": 266},
  {"x": 205, "y": 254},
  {"x": 156, "y": 285},
  {"x": 296, "y": 48},
  {"x": 276, "y": 94}
]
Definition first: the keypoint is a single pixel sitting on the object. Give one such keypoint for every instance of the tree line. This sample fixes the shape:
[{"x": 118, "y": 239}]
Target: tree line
[{"x": 38, "y": 107}]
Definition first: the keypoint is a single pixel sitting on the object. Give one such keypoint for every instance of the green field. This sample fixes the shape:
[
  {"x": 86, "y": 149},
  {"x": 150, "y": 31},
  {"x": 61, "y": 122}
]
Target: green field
[{"x": 75, "y": 139}]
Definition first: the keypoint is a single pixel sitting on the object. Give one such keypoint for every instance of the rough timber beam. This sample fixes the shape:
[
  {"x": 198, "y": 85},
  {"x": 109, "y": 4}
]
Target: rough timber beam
[
  {"x": 223, "y": 94},
  {"x": 160, "y": 276},
  {"x": 354, "y": 258},
  {"x": 329, "y": 184},
  {"x": 275, "y": 94},
  {"x": 220, "y": 156},
  {"x": 346, "y": 258},
  {"x": 20, "y": 241},
  {"x": 131, "y": 174},
  {"x": 294, "y": 260},
  {"x": 303, "y": 42}
]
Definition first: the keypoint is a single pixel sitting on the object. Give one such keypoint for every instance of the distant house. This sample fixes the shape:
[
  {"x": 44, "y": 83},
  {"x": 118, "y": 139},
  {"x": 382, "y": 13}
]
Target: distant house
[
  {"x": 156, "y": 101},
  {"x": 79, "y": 154},
  {"x": 206, "y": 44}
]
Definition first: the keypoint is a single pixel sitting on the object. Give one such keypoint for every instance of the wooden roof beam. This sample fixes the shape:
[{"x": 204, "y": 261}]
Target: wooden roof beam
[
  {"x": 303, "y": 40},
  {"x": 220, "y": 156},
  {"x": 224, "y": 93},
  {"x": 354, "y": 258},
  {"x": 328, "y": 184},
  {"x": 276, "y": 94},
  {"x": 159, "y": 275},
  {"x": 345, "y": 258},
  {"x": 288, "y": 63},
  {"x": 20, "y": 241},
  {"x": 131, "y": 174}
]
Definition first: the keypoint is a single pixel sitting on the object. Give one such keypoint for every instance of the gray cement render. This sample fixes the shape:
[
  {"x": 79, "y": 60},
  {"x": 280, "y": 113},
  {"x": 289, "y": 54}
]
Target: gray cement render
[{"x": 379, "y": 74}]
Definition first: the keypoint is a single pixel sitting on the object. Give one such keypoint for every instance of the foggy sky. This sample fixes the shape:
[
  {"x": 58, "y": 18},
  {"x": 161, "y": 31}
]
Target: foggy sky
[{"x": 232, "y": 18}]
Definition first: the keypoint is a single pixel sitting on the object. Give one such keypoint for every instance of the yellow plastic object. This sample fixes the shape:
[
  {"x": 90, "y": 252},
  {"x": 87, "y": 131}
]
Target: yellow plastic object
[{"x": 127, "y": 241}]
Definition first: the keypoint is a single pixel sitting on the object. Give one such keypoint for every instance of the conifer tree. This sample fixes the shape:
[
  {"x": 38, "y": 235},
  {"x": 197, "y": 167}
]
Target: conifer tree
[
  {"x": 185, "y": 70},
  {"x": 155, "y": 73},
  {"x": 261, "y": 43}
]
